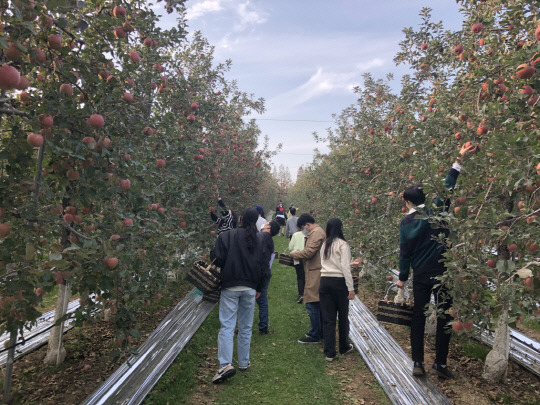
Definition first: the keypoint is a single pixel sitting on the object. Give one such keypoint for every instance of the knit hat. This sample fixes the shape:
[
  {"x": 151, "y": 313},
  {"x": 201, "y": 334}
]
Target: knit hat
[{"x": 259, "y": 209}]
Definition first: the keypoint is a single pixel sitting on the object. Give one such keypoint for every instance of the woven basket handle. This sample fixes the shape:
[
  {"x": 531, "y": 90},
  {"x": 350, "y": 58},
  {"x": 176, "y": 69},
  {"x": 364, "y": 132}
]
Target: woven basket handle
[{"x": 210, "y": 265}]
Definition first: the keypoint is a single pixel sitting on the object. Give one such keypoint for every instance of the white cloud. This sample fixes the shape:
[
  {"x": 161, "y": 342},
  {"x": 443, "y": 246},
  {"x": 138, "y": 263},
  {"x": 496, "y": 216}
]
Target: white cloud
[
  {"x": 202, "y": 8},
  {"x": 319, "y": 84},
  {"x": 248, "y": 16}
]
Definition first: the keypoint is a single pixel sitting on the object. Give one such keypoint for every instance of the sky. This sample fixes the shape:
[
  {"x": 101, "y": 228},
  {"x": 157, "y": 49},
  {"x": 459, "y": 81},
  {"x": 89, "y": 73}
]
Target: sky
[{"x": 304, "y": 57}]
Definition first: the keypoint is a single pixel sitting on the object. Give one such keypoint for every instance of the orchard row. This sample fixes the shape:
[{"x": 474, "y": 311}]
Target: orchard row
[
  {"x": 478, "y": 85},
  {"x": 116, "y": 137}
]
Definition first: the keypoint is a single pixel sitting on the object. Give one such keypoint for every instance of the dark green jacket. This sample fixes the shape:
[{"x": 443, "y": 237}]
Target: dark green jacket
[{"x": 417, "y": 244}]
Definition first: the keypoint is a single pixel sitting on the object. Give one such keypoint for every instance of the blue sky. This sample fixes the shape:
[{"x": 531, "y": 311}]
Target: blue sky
[{"x": 304, "y": 57}]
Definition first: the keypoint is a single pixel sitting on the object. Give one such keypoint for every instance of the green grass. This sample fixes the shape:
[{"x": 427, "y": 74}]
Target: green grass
[
  {"x": 475, "y": 350},
  {"x": 283, "y": 371}
]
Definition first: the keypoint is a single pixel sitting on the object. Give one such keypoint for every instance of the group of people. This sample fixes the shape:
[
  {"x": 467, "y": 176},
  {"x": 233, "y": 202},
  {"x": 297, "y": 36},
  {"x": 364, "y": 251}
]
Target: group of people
[{"x": 322, "y": 261}]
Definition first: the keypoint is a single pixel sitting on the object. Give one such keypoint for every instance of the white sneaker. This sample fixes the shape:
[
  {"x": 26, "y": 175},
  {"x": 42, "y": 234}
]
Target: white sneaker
[
  {"x": 244, "y": 368},
  {"x": 224, "y": 373}
]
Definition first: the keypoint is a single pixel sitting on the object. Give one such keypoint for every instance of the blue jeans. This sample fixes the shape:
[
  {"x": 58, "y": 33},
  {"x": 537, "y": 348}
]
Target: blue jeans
[
  {"x": 262, "y": 302},
  {"x": 233, "y": 305},
  {"x": 315, "y": 317}
]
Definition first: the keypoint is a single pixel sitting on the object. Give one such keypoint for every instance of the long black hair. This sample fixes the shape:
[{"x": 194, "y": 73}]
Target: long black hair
[
  {"x": 334, "y": 230},
  {"x": 249, "y": 219}
]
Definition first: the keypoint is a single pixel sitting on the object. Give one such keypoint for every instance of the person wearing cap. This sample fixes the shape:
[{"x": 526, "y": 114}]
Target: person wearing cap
[{"x": 261, "y": 221}]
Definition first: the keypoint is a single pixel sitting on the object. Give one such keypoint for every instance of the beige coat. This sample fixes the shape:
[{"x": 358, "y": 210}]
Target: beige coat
[{"x": 311, "y": 254}]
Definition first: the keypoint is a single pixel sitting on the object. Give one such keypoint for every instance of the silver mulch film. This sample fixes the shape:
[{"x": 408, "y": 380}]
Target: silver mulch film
[
  {"x": 37, "y": 336},
  {"x": 388, "y": 362},
  {"x": 134, "y": 379}
]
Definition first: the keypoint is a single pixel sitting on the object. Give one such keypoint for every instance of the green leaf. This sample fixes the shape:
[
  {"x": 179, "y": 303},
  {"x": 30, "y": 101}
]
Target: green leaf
[{"x": 55, "y": 256}]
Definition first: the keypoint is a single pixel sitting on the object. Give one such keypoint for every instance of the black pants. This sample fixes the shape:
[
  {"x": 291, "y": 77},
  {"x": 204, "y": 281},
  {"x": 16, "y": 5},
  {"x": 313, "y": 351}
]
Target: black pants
[
  {"x": 300, "y": 277},
  {"x": 333, "y": 300},
  {"x": 422, "y": 289}
]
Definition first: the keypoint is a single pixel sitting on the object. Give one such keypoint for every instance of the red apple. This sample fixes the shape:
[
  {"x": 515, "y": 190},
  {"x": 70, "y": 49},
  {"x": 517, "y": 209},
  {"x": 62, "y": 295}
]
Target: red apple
[
  {"x": 54, "y": 41},
  {"x": 128, "y": 97},
  {"x": 160, "y": 162},
  {"x": 95, "y": 121},
  {"x": 40, "y": 55},
  {"x": 525, "y": 71},
  {"x": 119, "y": 32},
  {"x": 66, "y": 89},
  {"x": 35, "y": 140},
  {"x": 125, "y": 184},
  {"x": 12, "y": 53},
  {"x": 477, "y": 28},
  {"x": 458, "y": 49},
  {"x": 24, "y": 83},
  {"x": 9, "y": 77},
  {"x": 111, "y": 262},
  {"x": 5, "y": 229},
  {"x": 72, "y": 175},
  {"x": 127, "y": 222},
  {"x": 491, "y": 263},
  {"x": 134, "y": 56},
  {"x": 119, "y": 11}
]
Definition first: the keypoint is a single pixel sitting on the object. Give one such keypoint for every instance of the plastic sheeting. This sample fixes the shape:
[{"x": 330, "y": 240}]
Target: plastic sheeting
[
  {"x": 134, "y": 379},
  {"x": 388, "y": 362},
  {"x": 523, "y": 350},
  {"x": 38, "y": 335}
]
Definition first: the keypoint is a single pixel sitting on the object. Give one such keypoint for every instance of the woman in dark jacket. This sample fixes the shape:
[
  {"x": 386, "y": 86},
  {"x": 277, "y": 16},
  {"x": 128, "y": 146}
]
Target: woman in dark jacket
[{"x": 239, "y": 253}]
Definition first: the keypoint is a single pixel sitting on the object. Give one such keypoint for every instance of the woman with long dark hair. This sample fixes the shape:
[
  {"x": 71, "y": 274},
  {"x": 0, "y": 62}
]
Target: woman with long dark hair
[
  {"x": 239, "y": 253},
  {"x": 336, "y": 289}
]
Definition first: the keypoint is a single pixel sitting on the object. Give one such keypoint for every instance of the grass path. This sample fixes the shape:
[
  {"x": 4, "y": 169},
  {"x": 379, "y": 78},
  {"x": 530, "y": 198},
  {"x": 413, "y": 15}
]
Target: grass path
[{"x": 283, "y": 371}]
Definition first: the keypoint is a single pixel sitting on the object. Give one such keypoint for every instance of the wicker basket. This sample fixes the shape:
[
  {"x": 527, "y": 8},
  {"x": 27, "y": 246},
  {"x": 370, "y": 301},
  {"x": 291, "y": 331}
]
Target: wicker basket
[{"x": 286, "y": 260}]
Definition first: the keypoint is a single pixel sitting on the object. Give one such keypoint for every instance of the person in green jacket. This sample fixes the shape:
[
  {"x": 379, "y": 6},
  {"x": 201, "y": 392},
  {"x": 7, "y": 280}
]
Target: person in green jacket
[
  {"x": 421, "y": 249},
  {"x": 297, "y": 243}
]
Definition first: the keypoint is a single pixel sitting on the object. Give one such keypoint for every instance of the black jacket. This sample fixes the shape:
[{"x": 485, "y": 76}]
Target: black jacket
[
  {"x": 239, "y": 265},
  {"x": 268, "y": 249}
]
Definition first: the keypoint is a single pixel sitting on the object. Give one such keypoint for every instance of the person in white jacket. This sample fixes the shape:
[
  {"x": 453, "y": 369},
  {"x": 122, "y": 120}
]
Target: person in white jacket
[{"x": 336, "y": 289}]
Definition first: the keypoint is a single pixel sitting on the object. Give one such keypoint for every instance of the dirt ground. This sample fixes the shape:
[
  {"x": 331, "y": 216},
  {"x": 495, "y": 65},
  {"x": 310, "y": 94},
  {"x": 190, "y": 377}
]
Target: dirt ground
[{"x": 88, "y": 362}]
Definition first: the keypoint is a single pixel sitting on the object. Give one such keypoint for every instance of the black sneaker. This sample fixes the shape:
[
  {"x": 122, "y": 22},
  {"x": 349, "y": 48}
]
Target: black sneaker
[
  {"x": 418, "y": 369},
  {"x": 263, "y": 331},
  {"x": 442, "y": 371},
  {"x": 244, "y": 368},
  {"x": 308, "y": 339},
  {"x": 350, "y": 349},
  {"x": 224, "y": 373}
]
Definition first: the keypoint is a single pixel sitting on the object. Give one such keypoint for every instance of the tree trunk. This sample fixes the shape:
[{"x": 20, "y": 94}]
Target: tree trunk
[
  {"x": 56, "y": 353},
  {"x": 6, "y": 397},
  {"x": 431, "y": 324},
  {"x": 496, "y": 365}
]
